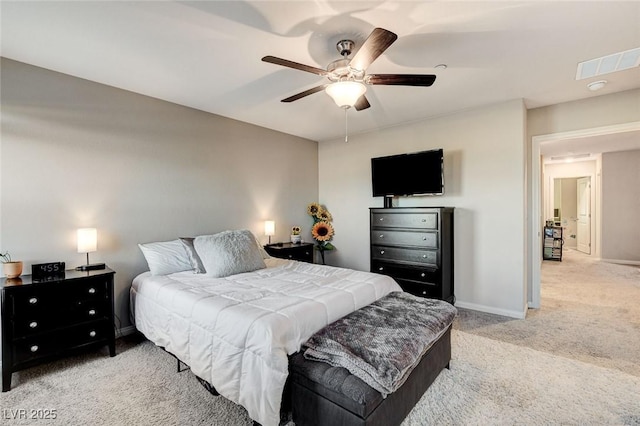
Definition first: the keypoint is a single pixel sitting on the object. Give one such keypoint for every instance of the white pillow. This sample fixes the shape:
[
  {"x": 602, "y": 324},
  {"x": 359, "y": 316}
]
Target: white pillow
[
  {"x": 229, "y": 253},
  {"x": 194, "y": 259},
  {"x": 166, "y": 257}
]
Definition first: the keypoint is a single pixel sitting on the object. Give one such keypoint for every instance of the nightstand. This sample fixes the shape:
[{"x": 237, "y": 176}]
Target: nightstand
[
  {"x": 302, "y": 252},
  {"x": 42, "y": 320}
]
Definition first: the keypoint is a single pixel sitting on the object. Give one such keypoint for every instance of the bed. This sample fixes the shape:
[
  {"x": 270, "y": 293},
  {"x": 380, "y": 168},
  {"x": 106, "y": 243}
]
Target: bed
[{"x": 236, "y": 331}]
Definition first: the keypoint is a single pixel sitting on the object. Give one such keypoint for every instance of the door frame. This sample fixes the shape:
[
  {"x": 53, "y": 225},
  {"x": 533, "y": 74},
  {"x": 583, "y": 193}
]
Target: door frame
[{"x": 535, "y": 236}]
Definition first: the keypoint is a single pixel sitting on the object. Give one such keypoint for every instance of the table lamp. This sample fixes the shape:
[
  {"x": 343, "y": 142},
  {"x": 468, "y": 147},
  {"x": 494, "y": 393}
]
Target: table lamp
[
  {"x": 269, "y": 228},
  {"x": 88, "y": 243}
]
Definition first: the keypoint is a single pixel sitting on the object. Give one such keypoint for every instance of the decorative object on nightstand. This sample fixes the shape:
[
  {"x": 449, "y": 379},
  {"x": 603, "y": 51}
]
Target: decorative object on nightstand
[
  {"x": 322, "y": 230},
  {"x": 88, "y": 243},
  {"x": 269, "y": 229},
  {"x": 10, "y": 268},
  {"x": 301, "y": 251},
  {"x": 296, "y": 238},
  {"x": 42, "y": 320}
]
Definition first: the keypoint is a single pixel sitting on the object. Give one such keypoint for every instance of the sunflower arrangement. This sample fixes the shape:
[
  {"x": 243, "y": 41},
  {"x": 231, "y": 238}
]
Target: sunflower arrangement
[{"x": 322, "y": 230}]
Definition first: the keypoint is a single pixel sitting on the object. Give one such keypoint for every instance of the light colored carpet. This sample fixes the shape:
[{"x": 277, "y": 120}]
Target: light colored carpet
[
  {"x": 490, "y": 383},
  {"x": 575, "y": 361},
  {"x": 590, "y": 311}
]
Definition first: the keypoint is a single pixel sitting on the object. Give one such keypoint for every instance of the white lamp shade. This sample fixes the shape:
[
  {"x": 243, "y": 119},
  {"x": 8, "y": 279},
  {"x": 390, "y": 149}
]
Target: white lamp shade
[
  {"x": 87, "y": 240},
  {"x": 269, "y": 227},
  {"x": 346, "y": 93}
]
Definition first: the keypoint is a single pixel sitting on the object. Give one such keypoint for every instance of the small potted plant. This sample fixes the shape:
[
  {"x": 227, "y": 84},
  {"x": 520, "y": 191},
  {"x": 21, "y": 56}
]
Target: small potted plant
[
  {"x": 296, "y": 238},
  {"x": 11, "y": 269}
]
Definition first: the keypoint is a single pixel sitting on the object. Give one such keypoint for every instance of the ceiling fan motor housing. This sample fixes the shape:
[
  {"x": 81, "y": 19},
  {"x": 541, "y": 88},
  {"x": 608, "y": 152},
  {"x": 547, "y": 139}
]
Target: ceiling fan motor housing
[
  {"x": 345, "y": 47},
  {"x": 340, "y": 70}
]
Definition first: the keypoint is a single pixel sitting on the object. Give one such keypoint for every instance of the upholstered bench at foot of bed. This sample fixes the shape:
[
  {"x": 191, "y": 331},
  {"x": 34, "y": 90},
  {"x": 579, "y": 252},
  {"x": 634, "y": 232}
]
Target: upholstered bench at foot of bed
[{"x": 331, "y": 396}]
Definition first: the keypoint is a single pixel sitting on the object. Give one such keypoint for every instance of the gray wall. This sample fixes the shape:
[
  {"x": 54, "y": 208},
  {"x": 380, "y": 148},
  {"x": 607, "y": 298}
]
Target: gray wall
[
  {"x": 620, "y": 206},
  {"x": 484, "y": 180},
  {"x": 74, "y": 153}
]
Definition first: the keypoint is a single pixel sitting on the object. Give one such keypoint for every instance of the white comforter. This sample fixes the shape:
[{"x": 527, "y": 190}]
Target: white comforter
[{"x": 236, "y": 332}]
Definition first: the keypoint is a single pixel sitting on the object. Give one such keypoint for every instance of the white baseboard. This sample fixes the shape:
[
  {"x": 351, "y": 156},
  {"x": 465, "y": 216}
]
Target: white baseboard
[
  {"x": 492, "y": 310},
  {"x": 621, "y": 262},
  {"x": 125, "y": 331}
]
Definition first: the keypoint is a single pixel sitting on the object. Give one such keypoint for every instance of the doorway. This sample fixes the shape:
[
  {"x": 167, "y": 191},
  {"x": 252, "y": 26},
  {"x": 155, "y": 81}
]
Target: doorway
[
  {"x": 536, "y": 209},
  {"x": 572, "y": 211}
]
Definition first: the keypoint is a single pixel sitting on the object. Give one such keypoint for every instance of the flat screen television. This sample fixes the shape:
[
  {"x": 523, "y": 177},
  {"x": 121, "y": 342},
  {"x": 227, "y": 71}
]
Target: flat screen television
[{"x": 418, "y": 173}]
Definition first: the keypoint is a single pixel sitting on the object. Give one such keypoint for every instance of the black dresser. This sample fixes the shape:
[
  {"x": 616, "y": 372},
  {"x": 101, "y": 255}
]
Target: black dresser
[
  {"x": 43, "y": 320},
  {"x": 414, "y": 245}
]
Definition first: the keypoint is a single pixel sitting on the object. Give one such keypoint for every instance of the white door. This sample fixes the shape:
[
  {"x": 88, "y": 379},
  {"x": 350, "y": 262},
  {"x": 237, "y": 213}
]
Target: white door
[{"x": 584, "y": 215}]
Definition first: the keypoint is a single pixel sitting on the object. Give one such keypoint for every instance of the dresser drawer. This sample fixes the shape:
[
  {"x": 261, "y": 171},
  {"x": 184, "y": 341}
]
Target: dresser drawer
[
  {"x": 405, "y": 238},
  {"x": 429, "y": 257},
  {"x": 302, "y": 252},
  {"x": 414, "y": 273},
  {"x": 46, "y": 344},
  {"x": 48, "y": 300},
  {"x": 431, "y": 291},
  {"x": 35, "y": 322},
  {"x": 422, "y": 220},
  {"x": 34, "y": 300},
  {"x": 301, "y": 255}
]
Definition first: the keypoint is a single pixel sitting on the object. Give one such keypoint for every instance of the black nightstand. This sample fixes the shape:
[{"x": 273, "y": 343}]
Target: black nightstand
[
  {"x": 302, "y": 252},
  {"x": 46, "y": 319}
]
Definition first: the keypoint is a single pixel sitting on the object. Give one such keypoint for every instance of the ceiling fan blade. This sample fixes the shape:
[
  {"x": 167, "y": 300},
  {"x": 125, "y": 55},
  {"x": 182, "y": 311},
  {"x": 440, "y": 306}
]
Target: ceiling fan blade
[
  {"x": 294, "y": 65},
  {"x": 401, "y": 79},
  {"x": 305, "y": 93},
  {"x": 377, "y": 42},
  {"x": 362, "y": 103}
]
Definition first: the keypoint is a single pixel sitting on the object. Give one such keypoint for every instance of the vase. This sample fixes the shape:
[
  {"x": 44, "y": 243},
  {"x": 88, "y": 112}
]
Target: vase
[
  {"x": 12, "y": 269},
  {"x": 296, "y": 239}
]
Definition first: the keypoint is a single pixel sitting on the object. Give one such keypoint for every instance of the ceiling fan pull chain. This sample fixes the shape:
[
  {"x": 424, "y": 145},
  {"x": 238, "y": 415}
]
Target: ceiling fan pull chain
[{"x": 346, "y": 126}]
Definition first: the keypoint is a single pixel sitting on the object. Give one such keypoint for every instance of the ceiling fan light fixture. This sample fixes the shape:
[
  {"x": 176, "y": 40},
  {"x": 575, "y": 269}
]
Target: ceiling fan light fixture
[{"x": 346, "y": 93}]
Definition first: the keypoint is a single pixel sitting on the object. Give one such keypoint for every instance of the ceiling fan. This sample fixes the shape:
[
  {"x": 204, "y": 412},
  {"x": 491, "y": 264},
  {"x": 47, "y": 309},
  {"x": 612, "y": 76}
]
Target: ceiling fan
[{"x": 348, "y": 77}]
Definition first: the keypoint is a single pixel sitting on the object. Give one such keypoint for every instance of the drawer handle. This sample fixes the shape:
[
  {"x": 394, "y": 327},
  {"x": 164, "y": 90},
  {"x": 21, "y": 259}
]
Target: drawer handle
[
  {"x": 33, "y": 324},
  {"x": 381, "y": 269},
  {"x": 424, "y": 220},
  {"x": 424, "y": 256},
  {"x": 381, "y": 251},
  {"x": 33, "y": 300},
  {"x": 422, "y": 275},
  {"x": 381, "y": 219},
  {"x": 92, "y": 290},
  {"x": 34, "y": 348},
  {"x": 92, "y": 312},
  {"x": 92, "y": 333},
  {"x": 424, "y": 238},
  {"x": 381, "y": 235},
  {"x": 290, "y": 256},
  {"x": 424, "y": 292}
]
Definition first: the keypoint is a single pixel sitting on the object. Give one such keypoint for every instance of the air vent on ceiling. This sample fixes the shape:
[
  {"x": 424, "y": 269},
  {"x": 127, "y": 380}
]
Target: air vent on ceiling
[{"x": 608, "y": 64}]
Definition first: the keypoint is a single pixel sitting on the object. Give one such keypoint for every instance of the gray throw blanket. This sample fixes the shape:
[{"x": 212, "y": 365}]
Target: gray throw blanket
[{"x": 382, "y": 342}]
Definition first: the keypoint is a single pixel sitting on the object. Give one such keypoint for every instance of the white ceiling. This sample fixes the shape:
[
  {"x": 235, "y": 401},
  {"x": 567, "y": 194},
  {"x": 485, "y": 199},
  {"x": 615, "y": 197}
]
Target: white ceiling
[{"x": 206, "y": 54}]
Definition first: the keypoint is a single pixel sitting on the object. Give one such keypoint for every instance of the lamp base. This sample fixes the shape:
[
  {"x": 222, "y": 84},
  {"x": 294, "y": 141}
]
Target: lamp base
[{"x": 91, "y": 267}]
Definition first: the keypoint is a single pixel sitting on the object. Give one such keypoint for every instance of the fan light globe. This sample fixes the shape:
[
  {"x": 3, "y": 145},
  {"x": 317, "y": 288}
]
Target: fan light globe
[{"x": 346, "y": 93}]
